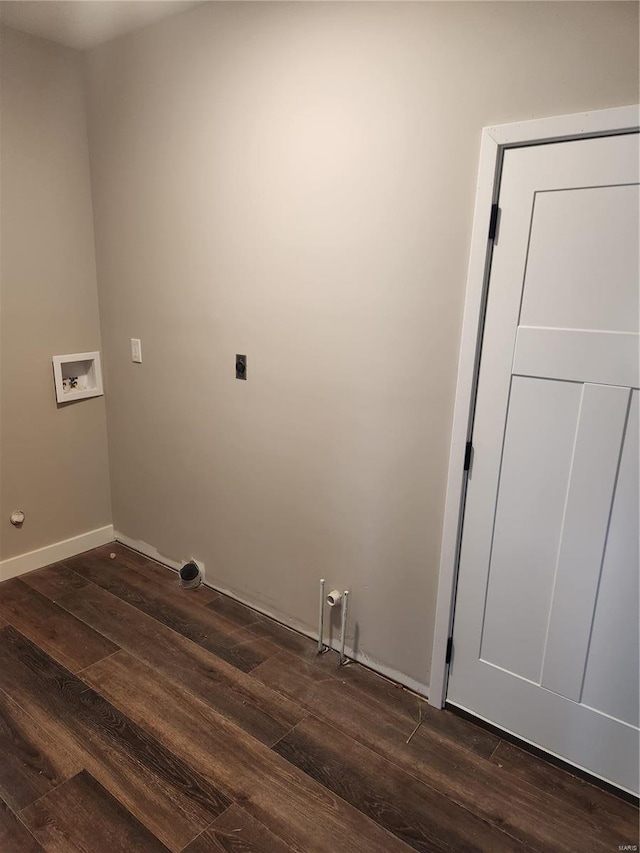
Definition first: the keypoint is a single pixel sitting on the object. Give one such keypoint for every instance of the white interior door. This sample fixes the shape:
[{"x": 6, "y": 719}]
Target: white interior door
[{"x": 546, "y": 622}]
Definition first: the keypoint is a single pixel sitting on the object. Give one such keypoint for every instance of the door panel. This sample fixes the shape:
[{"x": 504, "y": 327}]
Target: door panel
[
  {"x": 546, "y": 621},
  {"x": 542, "y": 417},
  {"x": 612, "y": 678},
  {"x": 574, "y": 249},
  {"x": 594, "y": 470},
  {"x": 608, "y": 358}
]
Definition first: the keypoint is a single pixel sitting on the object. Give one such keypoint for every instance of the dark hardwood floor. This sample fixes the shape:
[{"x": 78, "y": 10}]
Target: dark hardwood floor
[{"x": 135, "y": 716}]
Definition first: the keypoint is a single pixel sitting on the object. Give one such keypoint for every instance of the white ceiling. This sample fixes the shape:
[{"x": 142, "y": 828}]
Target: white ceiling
[{"x": 83, "y": 24}]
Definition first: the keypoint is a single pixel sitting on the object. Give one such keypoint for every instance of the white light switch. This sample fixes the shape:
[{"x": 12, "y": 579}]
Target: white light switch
[{"x": 136, "y": 350}]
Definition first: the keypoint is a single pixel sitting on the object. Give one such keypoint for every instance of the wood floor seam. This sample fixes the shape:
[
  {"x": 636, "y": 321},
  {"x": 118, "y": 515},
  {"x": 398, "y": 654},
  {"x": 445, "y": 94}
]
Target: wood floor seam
[
  {"x": 495, "y": 749},
  {"x": 87, "y": 808},
  {"x": 194, "y": 697},
  {"x": 198, "y": 712},
  {"x": 135, "y": 760},
  {"x": 229, "y": 633},
  {"x": 422, "y": 782},
  {"x": 62, "y": 782},
  {"x": 286, "y": 734},
  {"x": 207, "y": 828},
  {"x": 198, "y": 836},
  {"x": 310, "y": 713},
  {"x": 205, "y": 727},
  {"x": 25, "y": 827},
  {"x": 275, "y": 705},
  {"x": 88, "y": 666},
  {"x": 522, "y": 788}
]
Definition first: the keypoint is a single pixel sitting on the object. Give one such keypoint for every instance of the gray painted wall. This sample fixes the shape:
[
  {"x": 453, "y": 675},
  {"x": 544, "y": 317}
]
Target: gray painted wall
[
  {"x": 54, "y": 459},
  {"x": 295, "y": 181}
]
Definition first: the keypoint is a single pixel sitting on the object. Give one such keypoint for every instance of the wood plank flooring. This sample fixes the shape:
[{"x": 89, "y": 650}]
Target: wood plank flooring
[{"x": 135, "y": 716}]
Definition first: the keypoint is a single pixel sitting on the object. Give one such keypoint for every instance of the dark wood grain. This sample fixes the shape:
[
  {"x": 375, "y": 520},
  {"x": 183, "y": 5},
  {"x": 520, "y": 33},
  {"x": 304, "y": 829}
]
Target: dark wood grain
[
  {"x": 604, "y": 810},
  {"x": 405, "y": 703},
  {"x": 234, "y": 611},
  {"x": 152, "y": 570},
  {"x": 235, "y": 831},
  {"x": 369, "y": 683},
  {"x": 533, "y": 816},
  {"x": 411, "y": 810},
  {"x": 173, "y": 800},
  {"x": 14, "y": 836},
  {"x": 127, "y": 561},
  {"x": 54, "y": 581},
  {"x": 12, "y": 591},
  {"x": 443, "y": 723},
  {"x": 262, "y": 712},
  {"x": 294, "y": 807},
  {"x": 82, "y": 816},
  {"x": 285, "y": 638},
  {"x": 173, "y": 608},
  {"x": 177, "y": 732},
  {"x": 32, "y": 762},
  {"x": 65, "y": 638}
]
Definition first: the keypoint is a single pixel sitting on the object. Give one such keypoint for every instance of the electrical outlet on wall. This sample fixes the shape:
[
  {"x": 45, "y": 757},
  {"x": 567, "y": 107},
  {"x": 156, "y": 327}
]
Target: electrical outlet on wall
[{"x": 241, "y": 367}]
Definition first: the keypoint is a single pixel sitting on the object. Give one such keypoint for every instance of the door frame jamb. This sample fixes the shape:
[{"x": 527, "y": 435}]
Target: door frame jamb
[{"x": 494, "y": 142}]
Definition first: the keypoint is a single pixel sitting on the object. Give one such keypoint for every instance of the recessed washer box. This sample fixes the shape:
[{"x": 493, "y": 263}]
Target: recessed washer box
[{"x": 77, "y": 376}]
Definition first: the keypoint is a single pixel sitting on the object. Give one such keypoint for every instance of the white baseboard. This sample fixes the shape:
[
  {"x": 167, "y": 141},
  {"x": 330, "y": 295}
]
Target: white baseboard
[
  {"x": 293, "y": 625},
  {"x": 32, "y": 560}
]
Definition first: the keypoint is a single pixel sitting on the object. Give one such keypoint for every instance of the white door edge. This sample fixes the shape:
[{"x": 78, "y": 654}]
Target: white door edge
[{"x": 495, "y": 140}]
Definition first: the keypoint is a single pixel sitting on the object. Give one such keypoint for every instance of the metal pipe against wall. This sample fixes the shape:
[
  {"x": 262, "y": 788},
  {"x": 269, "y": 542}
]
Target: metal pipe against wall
[
  {"x": 321, "y": 619},
  {"x": 343, "y": 628}
]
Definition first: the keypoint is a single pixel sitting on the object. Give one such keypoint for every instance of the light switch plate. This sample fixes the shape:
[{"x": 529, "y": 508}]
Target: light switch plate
[{"x": 136, "y": 350}]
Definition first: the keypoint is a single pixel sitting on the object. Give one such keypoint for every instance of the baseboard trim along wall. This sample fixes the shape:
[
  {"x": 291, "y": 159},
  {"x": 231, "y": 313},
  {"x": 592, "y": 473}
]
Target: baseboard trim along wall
[
  {"x": 359, "y": 657},
  {"x": 23, "y": 563}
]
